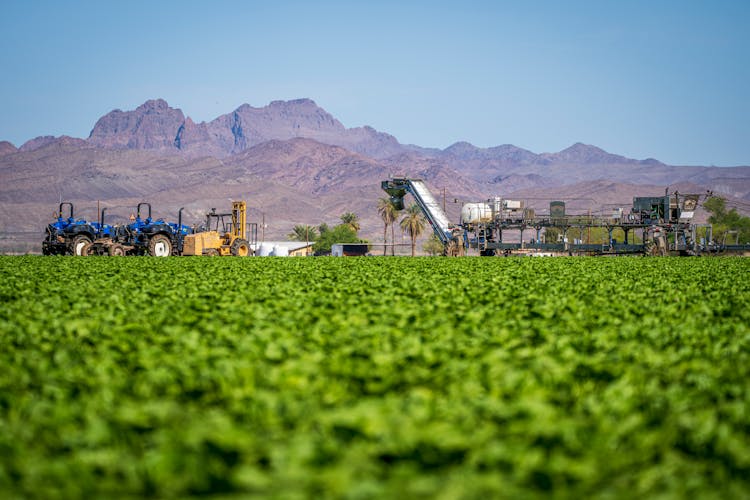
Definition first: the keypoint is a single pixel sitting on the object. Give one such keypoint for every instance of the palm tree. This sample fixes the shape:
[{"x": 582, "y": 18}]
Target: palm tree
[
  {"x": 352, "y": 220},
  {"x": 389, "y": 214},
  {"x": 413, "y": 223},
  {"x": 303, "y": 232}
]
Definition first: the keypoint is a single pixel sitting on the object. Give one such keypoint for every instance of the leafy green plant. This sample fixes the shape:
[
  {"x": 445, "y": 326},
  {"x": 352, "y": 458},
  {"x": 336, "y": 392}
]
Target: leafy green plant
[{"x": 374, "y": 378}]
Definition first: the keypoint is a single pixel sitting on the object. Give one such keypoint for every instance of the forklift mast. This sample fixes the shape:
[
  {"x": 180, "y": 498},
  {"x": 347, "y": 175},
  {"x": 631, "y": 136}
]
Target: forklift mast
[{"x": 239, "y": 219}]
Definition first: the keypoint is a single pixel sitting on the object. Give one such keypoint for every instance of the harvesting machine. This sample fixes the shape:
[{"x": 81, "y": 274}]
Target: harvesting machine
[
  {"x": 449, "y": 234},
  {"x": 664, "y": 224}
]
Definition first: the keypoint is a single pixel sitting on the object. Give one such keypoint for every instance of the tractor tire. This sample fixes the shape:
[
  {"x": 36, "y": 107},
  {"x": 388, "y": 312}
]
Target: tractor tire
[
  {"x": 116, "y": 250},
  {"x": 87, "y": 250},
  {"x": 240, "y": 248},
  {"x": 211, "y": 252},
  {"x": 160, "y": 246},
  {"x": 78, "y": 243}
]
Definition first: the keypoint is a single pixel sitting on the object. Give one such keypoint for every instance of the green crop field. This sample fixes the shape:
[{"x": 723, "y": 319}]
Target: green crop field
[{"x": 374, "y": 377}]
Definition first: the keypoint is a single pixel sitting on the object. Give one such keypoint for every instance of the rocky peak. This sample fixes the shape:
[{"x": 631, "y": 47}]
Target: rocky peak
[
  {"x": 461, "y": 145},
  {"x": 461, "y": 149},
  {"x": 505, "y": 152},
  {"x": 64, "y": 141},
  {"x": 582, "y": 150},
  {"x": 7, "y": 148},
  {"x": 153, "y": 106},
  {"x": 584, "y": 154},
  {"x": 294, "y": 103},
  {"x": 152, "y": 125},
  {"x": 511, "y": 153},
  {"x": 36, "y": 143}
]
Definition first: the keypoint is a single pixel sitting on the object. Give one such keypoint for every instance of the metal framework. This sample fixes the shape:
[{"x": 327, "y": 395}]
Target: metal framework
[{"x": 665, "y": 224}]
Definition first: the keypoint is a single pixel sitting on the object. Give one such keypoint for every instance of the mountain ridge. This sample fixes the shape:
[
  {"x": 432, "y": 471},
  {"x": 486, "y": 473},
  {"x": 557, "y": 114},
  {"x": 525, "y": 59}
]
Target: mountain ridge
[{"x": 154, "y": 125}]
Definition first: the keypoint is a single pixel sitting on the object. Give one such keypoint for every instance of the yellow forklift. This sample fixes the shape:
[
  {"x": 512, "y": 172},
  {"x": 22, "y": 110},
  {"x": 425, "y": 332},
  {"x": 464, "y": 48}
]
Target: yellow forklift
[{"x": 224, "y": 234}]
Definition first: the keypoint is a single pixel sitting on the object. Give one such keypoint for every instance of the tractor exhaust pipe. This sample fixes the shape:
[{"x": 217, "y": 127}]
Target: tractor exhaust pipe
[
  {"x": 179, "y": 237},
  {"x": 101, "y": 223},
  {"x": 139, "y": 209},
  {"x": 60, "y": 209}
]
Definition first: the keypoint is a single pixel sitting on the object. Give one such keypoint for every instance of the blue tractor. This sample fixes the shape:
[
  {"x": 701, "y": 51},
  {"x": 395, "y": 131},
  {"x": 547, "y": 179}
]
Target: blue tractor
[
  {"x": 68, "y": 236},
  {"x": 103, "y": 242},
  {"x": 54, "y": 241},
  {"x": 152, "y": 237}
]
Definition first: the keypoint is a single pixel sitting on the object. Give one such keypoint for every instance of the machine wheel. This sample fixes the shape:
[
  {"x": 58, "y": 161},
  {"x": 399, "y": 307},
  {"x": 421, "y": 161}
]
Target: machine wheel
[
  {"x": 453, "y": 249},
  {"x": 78, "y": 243},
  {"x": 87, "y": 250},
  {"x": 116, "y": 250},
  {"x": 160, "y": 246},
  {"x": 211, "y": 252},
  {"x": 240, "y": 248}
]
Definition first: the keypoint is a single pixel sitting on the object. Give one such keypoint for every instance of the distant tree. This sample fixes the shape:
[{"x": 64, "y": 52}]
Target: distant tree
[
  {"x": 352, "y": 220},
  {"x": 303, "y": 232},
  {"x": 724, "y": 220},
  {"x": 339, "y": 234},
  {"x": 433, "y": 246},
  {"x": 388, "y": 212},
  {"x": 413, "y": 223},
  {"x": 717, "y": 207}
]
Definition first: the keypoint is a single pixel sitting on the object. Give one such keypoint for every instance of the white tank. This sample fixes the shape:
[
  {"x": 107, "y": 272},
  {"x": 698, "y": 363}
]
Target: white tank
[
  {"x": 474, "y": 213},
  {"x": 280, "y": 251},
  {"x": 497, "y": 204},
  {"x": 265, "y": 250}
]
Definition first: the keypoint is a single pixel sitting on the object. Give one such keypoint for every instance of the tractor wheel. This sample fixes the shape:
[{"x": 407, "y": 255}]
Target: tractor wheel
[
  {"x": 80, "y": 241},
  {"x": 87, "y": 250},
  {"x": 240, "y": 248},
  {"x": 160, "y": 246},
  {"x": 211, "y": 252},
  {"x": 116, "y": 250}
]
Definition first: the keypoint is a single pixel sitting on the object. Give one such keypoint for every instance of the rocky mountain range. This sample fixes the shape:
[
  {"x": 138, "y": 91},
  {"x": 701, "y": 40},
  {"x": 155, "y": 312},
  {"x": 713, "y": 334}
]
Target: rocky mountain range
[
  {"x": 156, "y": 126},
  {"x": 297, "y": 164}
]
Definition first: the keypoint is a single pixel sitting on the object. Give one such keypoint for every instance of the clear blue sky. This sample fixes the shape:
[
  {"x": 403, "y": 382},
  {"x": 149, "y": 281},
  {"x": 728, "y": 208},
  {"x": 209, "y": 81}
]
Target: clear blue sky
[{"x": 662, "y": 79}]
